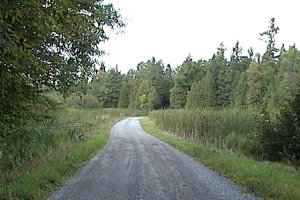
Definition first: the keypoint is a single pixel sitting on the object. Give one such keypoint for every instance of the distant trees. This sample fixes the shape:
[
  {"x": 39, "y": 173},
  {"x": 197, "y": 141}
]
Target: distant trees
[
  {"x": 241, "y": 81},
  {"x": 187, "y": 73},
  {"x": 106, "y": 87},
  {"x": 201, "y": 94}
]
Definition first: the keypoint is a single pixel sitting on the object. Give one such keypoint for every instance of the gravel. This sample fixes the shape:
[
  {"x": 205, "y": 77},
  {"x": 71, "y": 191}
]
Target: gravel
[{"x": 136, "y": 165}]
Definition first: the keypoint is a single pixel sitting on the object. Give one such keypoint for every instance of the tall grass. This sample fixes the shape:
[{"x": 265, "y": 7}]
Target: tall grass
[
  {"x": 37, "y": 138},
  {"x": 56, "y": 149},
  {"x": 232, "y": 129}
]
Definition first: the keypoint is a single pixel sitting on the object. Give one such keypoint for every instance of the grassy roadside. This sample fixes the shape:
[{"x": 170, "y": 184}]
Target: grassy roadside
[
  {"x": 45, "y": 174},
  {"x": 268, "y": 180}
]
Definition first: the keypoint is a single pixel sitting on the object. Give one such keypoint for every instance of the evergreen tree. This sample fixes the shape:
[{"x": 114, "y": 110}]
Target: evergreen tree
[
  {"x": 106, "y": 87},
  {"x": 153, "y": 99},
  {"x": 254, "y": 92},
  {"x": 167, "y": 84},
  {"x": 271, "y": 50},
  {"x": 238, "y": 93},
  {"x": 146, "y": 96},
  {"x": 201, "y": 94},
  {"x": 124, "y": 94},
  {"x": 187, "y": 74},
  {"x": 287, "y": 80},
  {"x": 220, "y": 74}
]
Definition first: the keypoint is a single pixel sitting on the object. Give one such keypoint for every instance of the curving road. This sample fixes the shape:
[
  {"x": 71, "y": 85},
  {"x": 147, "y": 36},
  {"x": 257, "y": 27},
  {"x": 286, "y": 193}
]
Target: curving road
[{"x": 135, "y": 165}]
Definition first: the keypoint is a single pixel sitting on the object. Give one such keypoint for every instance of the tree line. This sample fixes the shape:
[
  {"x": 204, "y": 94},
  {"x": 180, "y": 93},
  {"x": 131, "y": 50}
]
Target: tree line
[{"x": 267, "y": 80}]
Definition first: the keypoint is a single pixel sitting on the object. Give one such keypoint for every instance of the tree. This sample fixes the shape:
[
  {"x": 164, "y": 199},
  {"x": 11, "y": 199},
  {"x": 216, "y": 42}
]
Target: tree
[
  {"x": 287, "y": 81},
  {"x": 52, "y": 46},
  {"x": 236, "y": 53},
  {"x": 238, "y": 93},
  {"x": 270, "y": 34},
  {"x": 106, "y": 87},
  {"x": 124, "y": 94},
  {"x": 45, "y": 44},
  {"x": 159, "y": 77},
  {"x": 146, "y": 96},
  {"x": 201, "y": 94},
  {"x": 220, "y": 74},
  {"x": 254, "y": 92},
  {"x": 187, "y": 74}
]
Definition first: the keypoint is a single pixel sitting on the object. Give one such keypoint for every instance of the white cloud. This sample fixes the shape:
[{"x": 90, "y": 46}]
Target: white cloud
[{"x": 171, "y": 29}]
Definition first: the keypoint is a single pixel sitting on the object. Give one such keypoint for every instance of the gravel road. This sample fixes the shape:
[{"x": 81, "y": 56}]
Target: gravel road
[{"x": 135, "y": 165}]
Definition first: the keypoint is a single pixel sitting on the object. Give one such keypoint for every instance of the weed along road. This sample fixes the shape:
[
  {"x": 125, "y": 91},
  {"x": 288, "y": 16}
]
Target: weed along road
[{"x": 135, "y": 165}]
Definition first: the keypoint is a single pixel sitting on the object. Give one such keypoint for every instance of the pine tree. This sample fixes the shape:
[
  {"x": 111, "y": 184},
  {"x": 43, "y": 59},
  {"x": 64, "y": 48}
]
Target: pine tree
[
  {"x": 238, "y": 93},
  {"x": 271, "y": 50},
  {"x": 153, "y": 99},
  {"x": 124, "y": 94},
  {"x": 219, "y": 71},
  {"x": 201, "y": 94},
  {"x": 287, "y": 80},
  {"x": 187, "y": 74},
  {"x": 254, "y": 92},
  {"x": 106, "y": 87}
]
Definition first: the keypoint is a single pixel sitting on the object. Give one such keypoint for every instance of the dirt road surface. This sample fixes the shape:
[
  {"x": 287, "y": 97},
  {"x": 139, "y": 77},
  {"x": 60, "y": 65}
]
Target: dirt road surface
[{"x": 135, "y": 165}]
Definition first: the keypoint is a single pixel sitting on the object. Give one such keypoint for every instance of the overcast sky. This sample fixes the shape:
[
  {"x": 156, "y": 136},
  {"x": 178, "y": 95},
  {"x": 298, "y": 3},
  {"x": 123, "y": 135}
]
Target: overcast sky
[{"x": 172, "y": 29}]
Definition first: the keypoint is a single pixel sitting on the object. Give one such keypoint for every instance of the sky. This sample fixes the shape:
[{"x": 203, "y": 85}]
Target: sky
[{"x": 171, "y": 30}]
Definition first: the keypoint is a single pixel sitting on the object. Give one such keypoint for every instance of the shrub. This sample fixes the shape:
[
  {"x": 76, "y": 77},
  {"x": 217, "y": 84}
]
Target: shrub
[
  {"x": 85, "y": 101},
  {"x": 281, "y": 134}
]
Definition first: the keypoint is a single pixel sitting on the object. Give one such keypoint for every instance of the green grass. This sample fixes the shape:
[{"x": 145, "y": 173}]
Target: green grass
[
  {"x": 65, "y": 153},
  {"x": 268, "y": 180}
]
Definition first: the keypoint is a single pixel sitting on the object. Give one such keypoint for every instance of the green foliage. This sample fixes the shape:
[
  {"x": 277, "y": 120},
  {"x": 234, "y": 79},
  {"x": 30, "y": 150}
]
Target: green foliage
[
  {"x": 238, "y": 93},
  {"x": 53, "y": 46},
  {"x": 124, "y": 93},
  {"x": 44, "y": 44},
  {"x": 155, "y": 73},
  {"x": 254, "y": 93},
  {"x": 287, "y": 79},
  {"x": 233, "y": 129},
  {"x": 281, "y": 135},
  {"x": 147, "y": 97},
  {"x": 18, "y": 139},
  {"x": 201, "y": 94},
  {"x": 187, "y": 74},
  {"x": 106, "y": 87},
  {"x": 270, "y": 33},
  {"x": 84, "y": 101}
]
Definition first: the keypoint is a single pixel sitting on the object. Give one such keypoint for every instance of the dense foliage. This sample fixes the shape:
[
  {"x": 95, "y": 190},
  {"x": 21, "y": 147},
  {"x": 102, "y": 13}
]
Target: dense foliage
[{"x": 45, "y": 43}]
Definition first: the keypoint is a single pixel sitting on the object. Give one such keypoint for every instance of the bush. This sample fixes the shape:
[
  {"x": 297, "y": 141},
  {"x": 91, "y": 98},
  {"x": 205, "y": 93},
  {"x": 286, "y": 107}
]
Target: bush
[
  {"x": 281, "y": 135},
  {"x": 85, "y": 101},
  {"x": 20, "y": 137}
]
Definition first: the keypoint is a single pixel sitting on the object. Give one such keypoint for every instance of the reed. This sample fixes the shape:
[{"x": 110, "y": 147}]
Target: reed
[{"x": 232, "y": 129}]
